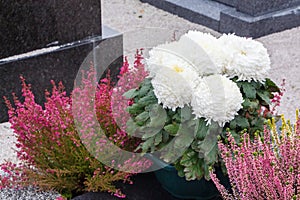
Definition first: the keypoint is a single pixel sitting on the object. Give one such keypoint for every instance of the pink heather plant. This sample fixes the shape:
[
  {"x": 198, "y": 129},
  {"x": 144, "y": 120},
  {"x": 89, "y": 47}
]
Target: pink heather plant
[
  {"x": 128, "y": 79},
  {"x": 266, "y": 168},
  {"x": 277, "y": 97},
  {"x": 50, "y": 148}
]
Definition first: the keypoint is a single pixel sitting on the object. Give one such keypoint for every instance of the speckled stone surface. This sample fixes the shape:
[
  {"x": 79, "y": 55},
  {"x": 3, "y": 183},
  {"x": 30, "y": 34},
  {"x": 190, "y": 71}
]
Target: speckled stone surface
[
  {"x": 250, "y": 18},
  {"x": 61, "y": 64},
  {"x": 28, "y": 24},
  {"x": 259, "y": 7},
  {"x": 232, "y": 21},
  {"x": 228, "y": 2}
]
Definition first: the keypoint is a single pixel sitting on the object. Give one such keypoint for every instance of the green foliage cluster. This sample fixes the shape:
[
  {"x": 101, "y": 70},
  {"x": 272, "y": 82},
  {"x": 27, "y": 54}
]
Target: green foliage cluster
[{"x": 190, "y": 144}]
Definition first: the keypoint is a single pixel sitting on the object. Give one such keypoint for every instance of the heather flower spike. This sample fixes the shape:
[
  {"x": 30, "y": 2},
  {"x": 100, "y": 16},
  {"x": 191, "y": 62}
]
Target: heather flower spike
[
  {"x": 265, "y": 168},
  {"x": 51, "y": 152}
]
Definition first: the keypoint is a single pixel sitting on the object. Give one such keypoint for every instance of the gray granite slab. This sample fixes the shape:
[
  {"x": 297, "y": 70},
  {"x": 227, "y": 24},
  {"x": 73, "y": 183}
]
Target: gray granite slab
[
  {"x": 228, "y": 2},
  {"x": 244, "y": 25},
  {"x": 26, "y": 25},
  {"x": 259, "y": 7},
  {"x": 205, "y": 12},
  {"x": 251, "y": 18},
  {"x": 58, "y": 64},
  {"x": 208, "y": 8}
]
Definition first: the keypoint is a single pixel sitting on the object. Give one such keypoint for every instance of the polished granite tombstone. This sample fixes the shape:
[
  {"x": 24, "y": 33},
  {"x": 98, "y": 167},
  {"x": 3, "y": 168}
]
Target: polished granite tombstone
[
  {"x": 26, "y": 25},
  {"x": 250, "y": 18},
  {"x": 50, "y": 40},
  {"x": 259, "y": 7}
]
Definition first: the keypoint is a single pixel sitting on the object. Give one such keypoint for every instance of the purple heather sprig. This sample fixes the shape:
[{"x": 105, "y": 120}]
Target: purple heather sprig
[
  {"x": 265, "y": 168},
  {"x": 48, "y": 143}
]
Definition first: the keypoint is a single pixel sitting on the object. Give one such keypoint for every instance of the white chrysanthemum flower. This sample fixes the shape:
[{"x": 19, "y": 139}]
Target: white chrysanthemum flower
[
  {"x": 249, "y": 59},
  {"x": 216, "y": 98},
  {"x": 212, "y": 47},
  {"x": 171, "y": 89},
  {"x": 185, "y": 53},
  {"x": 164, "y": 59}
]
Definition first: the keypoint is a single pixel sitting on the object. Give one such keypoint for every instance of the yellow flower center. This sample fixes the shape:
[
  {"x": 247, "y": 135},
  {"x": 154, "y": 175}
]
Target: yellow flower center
[
  {"x": 243, "y": 53},
  {"x": 177, "y": 69}
]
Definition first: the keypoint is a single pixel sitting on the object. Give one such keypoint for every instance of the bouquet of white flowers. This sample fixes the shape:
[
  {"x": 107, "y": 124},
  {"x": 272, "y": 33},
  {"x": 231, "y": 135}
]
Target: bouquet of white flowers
[{"x": 198, "y": 88}]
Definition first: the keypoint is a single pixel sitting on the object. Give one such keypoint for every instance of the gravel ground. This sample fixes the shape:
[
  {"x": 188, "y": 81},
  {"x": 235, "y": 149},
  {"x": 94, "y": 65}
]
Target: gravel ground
[
  {"x": 144, "y": 26},
  {"x": 27, "y": 194}
]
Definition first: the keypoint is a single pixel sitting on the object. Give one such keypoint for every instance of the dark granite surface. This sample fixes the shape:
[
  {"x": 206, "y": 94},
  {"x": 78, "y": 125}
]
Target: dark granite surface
[
  {"x": 259, "y": 7},
  {"x": 28, "y": 24},
  {"x": 145, "y": 187},
  {"x": 59, "y": 65},
  {"x": 245, "y": 25},
  {"x": 228, "y": 2},
  {"x": 204, "y": 12},
  {"x": 270, "y": 16}
]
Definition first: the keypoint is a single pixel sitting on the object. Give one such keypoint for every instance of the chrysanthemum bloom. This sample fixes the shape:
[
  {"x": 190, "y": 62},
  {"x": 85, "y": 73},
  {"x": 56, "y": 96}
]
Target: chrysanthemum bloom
[
  {"x": 216, "y": 98},
  {"x": 249, "y": 59},
  {"x": 171, "y": 88},
  {"x": 185, "y": 54},
  {"x": 212, "y": 48}
]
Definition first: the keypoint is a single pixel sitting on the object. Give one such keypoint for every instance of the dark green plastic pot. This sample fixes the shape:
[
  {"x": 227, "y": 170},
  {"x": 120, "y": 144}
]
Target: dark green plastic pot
[{"x": 181, "y": 188}]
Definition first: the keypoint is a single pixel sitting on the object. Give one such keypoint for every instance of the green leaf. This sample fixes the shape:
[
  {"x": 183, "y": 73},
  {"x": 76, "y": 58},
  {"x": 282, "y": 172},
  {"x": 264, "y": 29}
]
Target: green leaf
[
  {"x": 271, "y": 86},
  {"x": 147, "y": 100},
  {"x": 186, "y": 114},
  {"x": 188, "y": 158},
  {"x": 149, "y": 132},
  {"x": 135, "y": 109},
  {"x": 249, "y": 90},
  {"x": 236, "y": 136},
  {"x": 208, "y": 147},
  {"x": 201, "y": 129},
  {"x": 143, "y": 117},
  {"x": 206, "y": 171},
  {"x": 209, "y": 150},
  {"x": 179, "y": 168},
  {"x": 193, "y": 166},
  {"x": 232, "y": 124},
  {"x": 158, "y": 116},
  {"x": 144, "y": 88},
  {"x": 158, "y": 138},
  {"x": 211, "y": 156},
  {"x": 264, "y": 95},
  {"x": 130, "y": 94},
  {"x": 258, "y": 123},
  {"x": 246, "y": 104},
  {"x": 148, "y": 144},
  {"x": 172, "y": 129},
  {"x": 165, "y": 137},
  {"x": 177, "y": 117},
  {"x": 131, "y": 127},
  {"x": 184, "y": 139},
  {"x": 251, "y": 104},
  {"x": 242, "y": 122},
  {"x": 168, "y": 154}
]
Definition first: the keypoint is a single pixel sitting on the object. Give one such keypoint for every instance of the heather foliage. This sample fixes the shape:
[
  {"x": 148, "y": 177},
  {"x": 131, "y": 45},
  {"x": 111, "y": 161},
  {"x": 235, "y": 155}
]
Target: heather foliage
[
  {"x": 49, "y": 146},
  {"x": 266, "y": 168}
]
